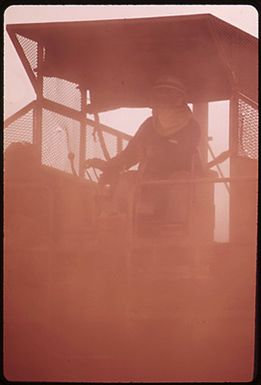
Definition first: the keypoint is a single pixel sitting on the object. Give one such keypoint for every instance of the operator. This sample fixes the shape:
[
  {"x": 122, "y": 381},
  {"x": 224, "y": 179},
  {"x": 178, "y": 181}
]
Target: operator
[{"x": 164, "y": 144}]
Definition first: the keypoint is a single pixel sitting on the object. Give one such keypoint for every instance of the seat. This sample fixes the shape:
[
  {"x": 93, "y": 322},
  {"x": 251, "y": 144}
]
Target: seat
[{"x": 177, "y": 207}]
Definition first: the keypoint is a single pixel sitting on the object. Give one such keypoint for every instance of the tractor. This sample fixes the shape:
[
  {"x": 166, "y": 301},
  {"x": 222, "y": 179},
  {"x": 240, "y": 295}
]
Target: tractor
[{"x": 96, "y": 297}]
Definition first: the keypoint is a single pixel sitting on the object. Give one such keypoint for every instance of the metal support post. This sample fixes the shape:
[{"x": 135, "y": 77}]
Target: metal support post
[
  {"x": 38, "y": 109},
  {"x": 82, "y": 153},
  {"x": 200, "y": 111},
  {"x": 233, "y": 132}
]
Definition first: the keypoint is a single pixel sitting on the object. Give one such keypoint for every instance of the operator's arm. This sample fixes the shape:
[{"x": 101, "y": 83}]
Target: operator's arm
[{"x": 129, "y": 157}]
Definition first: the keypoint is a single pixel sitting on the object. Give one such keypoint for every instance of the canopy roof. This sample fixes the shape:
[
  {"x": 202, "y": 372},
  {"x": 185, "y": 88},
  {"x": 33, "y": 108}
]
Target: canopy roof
[{"x": 118, "y": 60}]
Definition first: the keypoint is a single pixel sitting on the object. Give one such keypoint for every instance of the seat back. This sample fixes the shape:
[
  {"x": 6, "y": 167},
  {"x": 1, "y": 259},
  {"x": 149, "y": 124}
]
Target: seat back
[{"x": 176, "y": 204}]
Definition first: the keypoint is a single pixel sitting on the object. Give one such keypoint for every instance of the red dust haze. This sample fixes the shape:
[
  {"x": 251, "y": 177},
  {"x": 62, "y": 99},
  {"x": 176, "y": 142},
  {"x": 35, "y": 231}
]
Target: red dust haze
[{"x": 86, "y": 305}]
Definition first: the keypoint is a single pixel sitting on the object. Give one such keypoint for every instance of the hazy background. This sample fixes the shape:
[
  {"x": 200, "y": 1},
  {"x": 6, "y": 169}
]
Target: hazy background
[
  {"x": 18, "y": 90},
  {"x": 69, "y": 314}
]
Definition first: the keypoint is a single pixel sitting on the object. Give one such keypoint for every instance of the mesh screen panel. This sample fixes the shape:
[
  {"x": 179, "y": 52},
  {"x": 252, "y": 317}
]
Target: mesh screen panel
[
  {"x": 247, "y": 130},
  {"x": 30, "y": 49},
  {"x": 239, "y": 51},
  {"x": 60, "y": 135},
  {"x": 62, "y": 91},
  {"x": 55, "y": 89},
  {"x": 19, "y": 131}
]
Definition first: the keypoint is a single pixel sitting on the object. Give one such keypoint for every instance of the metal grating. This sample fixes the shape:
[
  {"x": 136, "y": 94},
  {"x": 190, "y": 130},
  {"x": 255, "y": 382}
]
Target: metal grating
[
  {"x": 62, "y": 91},
  {"x": 248, "y": 130},
  {"x": 60, "y": 135},
  {"x": 19, "y": 131},
  {"x": 30, "y": 49},
  {"x": 232, "y": 46}
]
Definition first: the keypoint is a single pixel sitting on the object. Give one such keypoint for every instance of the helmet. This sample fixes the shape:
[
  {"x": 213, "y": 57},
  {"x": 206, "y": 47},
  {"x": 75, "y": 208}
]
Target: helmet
[{"x": 169, "y": 82}]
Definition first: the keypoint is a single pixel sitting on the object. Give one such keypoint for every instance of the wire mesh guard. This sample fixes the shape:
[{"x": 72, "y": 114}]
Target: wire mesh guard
[
  {"x": 62, "y": 91},
  {"x": 247, "y": 130},
  {"x": 20, "y": 130},
  {"x": 55, "y": 89},
  {"x": 239, "y": 53},
  {"x": 30, "y": 50},
  {"x": 60, "y": 135}
]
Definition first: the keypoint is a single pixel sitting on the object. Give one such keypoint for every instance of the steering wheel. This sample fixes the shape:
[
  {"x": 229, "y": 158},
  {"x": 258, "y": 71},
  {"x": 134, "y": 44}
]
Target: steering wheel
[{"x": 95, "y": 163}]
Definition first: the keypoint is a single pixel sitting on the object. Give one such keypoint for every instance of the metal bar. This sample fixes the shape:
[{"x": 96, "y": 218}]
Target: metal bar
[
  {"x": 24, "y": 60},
  {"x": 233, "y": 144},
  {"x": 74, "y": 114},
  {"x": 250, "y": 101},
  {"x": 18, "y": 114},
  {"x": 101, "y": 138},
  {"x": 38, "y": 108},
  {"x": 88, "y": 175},
  {"x": 53, "y": 25},
  {"x": 218, "y": 167},
  {"x": 233, "y": 130},
  {"x": 223, "y": 56},
  {"x": 82, "y": 152},
  {"x": 202, "y": 180},
  {"x": 109, "y": 130},
  {"x": 95, "y": 173},
  {"x": 200, "y": 111},
  {"x": 61, "y": 109}
]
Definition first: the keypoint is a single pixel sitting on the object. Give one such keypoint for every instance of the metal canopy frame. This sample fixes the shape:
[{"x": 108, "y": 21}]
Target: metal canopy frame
[
  {"x": 117, "y": 60},
  {"x": 41, "y": 49}
]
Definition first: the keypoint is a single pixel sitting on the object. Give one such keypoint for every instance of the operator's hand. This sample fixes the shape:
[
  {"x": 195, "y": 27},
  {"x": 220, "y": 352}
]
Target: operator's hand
[
  {"x": 96, "y": 163},
  {"x": 220, "y": 158},
  {"x": 110, "y": 169},
  {"x": 109, "y": 176}
]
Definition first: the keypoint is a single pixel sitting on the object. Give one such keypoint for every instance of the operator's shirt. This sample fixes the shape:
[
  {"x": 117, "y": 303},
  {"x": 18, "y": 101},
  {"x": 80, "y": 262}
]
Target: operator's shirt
[{"x": 158, "y": 156}]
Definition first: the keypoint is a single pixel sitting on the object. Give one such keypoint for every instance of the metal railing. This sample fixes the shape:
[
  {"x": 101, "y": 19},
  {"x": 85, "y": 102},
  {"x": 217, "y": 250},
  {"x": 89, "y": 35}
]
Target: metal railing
[{"x": 61, "y": 113}]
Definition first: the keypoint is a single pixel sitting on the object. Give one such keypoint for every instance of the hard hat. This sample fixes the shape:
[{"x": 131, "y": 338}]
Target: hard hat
[{"x": 171, "y": 82}]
